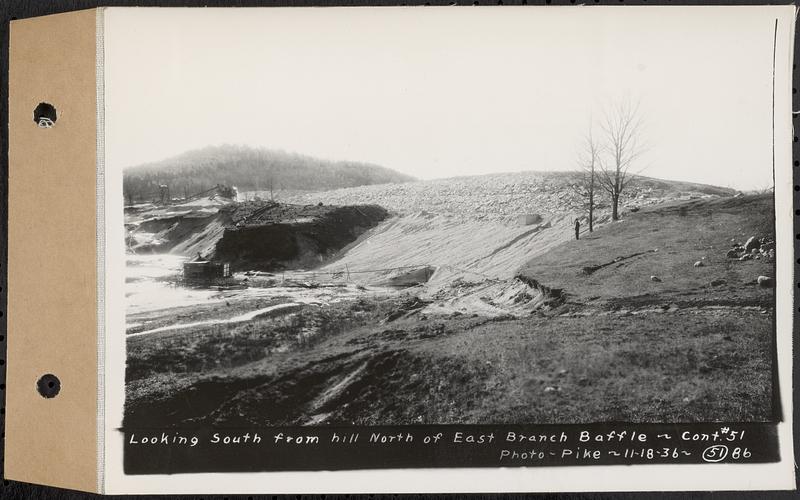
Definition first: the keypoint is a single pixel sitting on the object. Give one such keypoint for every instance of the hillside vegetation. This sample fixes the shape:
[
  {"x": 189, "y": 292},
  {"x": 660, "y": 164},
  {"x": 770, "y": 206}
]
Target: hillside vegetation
[
  {"x": 683, "y": 245},
  {"x": 249, "y": 169}
]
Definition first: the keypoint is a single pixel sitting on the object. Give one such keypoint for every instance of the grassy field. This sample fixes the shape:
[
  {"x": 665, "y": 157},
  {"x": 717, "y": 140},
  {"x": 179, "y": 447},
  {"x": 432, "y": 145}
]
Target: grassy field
[
  {"x": 612, "y": 267},
  {"x": 617, "y": 347}
]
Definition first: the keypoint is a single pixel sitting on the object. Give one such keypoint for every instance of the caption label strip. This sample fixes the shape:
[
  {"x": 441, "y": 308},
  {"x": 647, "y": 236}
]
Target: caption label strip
[{"x": 172, "y": 451}]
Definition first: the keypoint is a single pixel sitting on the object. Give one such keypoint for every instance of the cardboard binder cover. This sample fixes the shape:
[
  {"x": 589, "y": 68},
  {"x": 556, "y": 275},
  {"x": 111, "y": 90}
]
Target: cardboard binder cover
[{"x": 52, "y": 271}]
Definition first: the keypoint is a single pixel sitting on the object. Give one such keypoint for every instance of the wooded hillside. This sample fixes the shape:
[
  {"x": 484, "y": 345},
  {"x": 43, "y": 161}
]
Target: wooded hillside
[{"x": 249, "y": 169}]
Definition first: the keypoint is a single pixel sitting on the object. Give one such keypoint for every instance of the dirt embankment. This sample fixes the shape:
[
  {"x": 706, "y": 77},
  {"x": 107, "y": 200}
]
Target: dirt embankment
[
  {"x": 180, "y": 234},
  {"x": 183, "y": 228},
  {"x": 273, "y": 236},
  {"x": 257, "y": 235}
]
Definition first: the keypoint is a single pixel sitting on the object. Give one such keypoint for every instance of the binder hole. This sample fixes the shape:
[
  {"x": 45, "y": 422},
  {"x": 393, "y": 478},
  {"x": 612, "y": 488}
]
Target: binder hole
[
  {"x": 48, "y": 386},
  {"x": 45, "y": 115}
]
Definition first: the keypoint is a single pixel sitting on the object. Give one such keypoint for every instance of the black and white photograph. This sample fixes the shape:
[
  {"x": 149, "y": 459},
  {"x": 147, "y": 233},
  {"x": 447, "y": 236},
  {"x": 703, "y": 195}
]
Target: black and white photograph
[{"x": 445, "y": 216}]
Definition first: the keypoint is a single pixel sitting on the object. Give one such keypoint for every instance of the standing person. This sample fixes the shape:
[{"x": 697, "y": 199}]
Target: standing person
[{"x": 577, "y": 229}]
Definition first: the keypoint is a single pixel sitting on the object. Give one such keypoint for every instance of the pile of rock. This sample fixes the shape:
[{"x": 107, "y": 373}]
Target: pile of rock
[
  {"x": 498, "y": 197},
  {"x": 753, "y": 248}
]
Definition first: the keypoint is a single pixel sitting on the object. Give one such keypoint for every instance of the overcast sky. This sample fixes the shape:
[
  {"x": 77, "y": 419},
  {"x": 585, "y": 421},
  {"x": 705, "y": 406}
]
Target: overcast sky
[{"x": 441, "y": 92}]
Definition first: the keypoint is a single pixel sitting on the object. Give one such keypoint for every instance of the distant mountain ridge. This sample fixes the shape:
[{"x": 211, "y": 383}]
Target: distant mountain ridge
[{"x": 249, "y": 169}]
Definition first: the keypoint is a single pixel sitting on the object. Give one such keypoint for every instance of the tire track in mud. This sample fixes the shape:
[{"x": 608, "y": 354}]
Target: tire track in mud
[
  {"x": 209, "y": 399},
  {"x": 304, "y": 395},
  {"x": 332, "y": 393},
  {"x": 381, "y": 379}
]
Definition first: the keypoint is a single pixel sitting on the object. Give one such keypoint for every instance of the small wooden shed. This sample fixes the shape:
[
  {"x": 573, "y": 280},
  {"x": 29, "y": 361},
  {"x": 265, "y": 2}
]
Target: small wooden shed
[{"x": 205, "y": 271}]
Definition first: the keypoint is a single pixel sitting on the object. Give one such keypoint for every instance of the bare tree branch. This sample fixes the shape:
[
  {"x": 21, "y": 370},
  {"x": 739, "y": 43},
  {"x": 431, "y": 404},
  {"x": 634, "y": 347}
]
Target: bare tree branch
[
  {"x": 621, "y": 126},
  {"x": 588, "y": 164}
]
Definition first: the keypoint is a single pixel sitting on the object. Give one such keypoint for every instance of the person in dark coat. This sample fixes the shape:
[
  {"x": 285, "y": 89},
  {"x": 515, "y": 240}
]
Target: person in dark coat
[{"x": 577, "y": 229}]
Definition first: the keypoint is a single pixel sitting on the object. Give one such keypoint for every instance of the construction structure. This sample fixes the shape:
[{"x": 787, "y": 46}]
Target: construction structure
[{"x": 206, "y": 272}]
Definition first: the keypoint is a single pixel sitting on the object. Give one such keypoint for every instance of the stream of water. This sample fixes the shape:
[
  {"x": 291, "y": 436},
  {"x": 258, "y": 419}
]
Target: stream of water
[{"x": 152, "y": 284}]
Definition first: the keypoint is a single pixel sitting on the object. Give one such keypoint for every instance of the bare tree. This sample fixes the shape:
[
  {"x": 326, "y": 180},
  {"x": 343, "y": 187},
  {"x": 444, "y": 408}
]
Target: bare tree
[
  {"x": 621, "y": 128},
  {"x": 130, "y": 195},
  {"x": 271, "y": 187},
  {"x": 588, "y": 162}
]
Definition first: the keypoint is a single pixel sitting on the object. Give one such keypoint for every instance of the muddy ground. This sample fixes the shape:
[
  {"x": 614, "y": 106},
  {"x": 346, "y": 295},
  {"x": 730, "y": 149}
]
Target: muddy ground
[{"x": 674, "y": 365}]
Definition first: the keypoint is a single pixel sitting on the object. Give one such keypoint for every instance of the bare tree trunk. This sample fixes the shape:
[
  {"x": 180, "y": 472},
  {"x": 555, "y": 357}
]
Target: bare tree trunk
[
  {"x": 588, "y": 161},
  {"x": 621, "y": 126}
]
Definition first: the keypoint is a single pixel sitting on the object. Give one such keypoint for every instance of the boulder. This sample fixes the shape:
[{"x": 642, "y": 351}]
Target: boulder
[
  {"x": 655, "y": 278},
  {"x": 751, "y": 244},
  {"x": 699, "y": 263},
  {"x": 732, "y": 254},
  {"x": 718, "y": 282},
  {"x": 746, "y": 256},
  {"x": 528, "y": 219},
  {"x": 766, "y": 281},
  {"x": 408, "y": 277}
]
